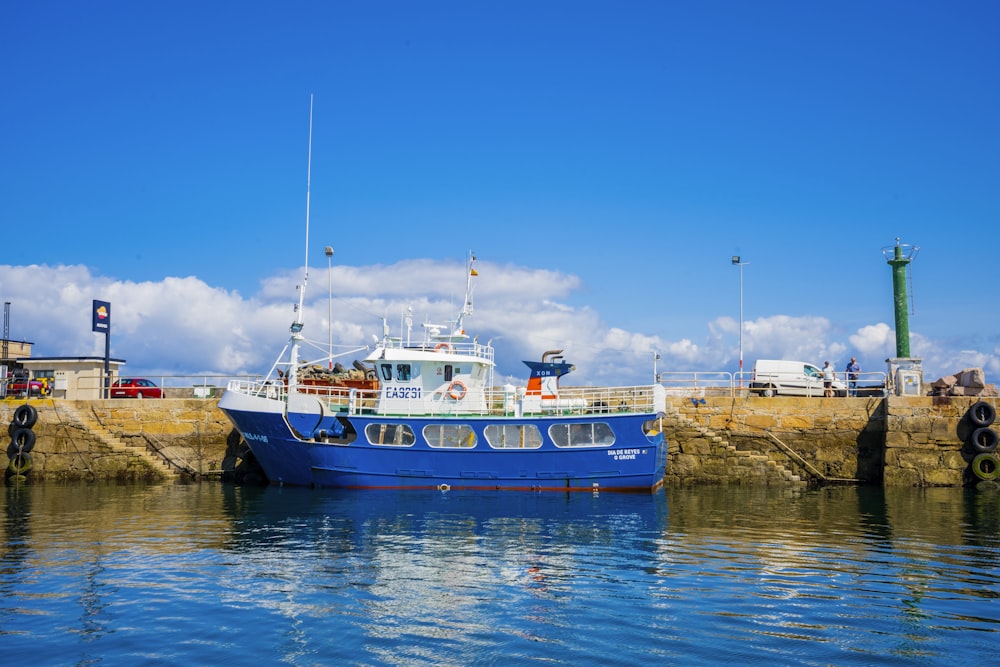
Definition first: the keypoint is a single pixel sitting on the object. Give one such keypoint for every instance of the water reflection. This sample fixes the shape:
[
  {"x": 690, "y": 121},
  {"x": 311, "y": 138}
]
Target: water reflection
[{"x": 174, "y": 573}]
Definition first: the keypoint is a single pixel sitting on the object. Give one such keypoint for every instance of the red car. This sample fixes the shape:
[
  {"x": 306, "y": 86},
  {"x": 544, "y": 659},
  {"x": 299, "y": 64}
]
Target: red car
[{"x": 135, "y": 388}]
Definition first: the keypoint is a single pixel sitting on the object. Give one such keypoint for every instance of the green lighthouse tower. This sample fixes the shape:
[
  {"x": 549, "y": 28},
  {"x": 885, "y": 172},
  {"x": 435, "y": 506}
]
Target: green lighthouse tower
[
  {"x": 904, "y": 371},
  {"x": 901, "y": 256}
]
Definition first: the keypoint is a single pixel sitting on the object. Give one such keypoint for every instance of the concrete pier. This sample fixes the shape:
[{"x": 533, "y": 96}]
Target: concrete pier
[{"x": 893, "y": 441}]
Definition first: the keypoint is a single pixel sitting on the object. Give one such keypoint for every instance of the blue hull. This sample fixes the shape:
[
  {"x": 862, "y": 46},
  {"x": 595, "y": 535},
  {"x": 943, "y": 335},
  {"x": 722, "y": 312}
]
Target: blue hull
[{"x": 635, "y": 462}]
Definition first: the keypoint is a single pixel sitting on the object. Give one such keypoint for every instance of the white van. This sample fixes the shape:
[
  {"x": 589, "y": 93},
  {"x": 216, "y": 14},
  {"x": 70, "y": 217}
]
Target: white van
[{"x": 790, "y": 378}]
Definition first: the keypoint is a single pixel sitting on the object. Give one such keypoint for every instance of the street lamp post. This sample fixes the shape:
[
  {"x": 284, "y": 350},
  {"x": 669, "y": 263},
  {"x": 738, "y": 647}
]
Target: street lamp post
[
  {"x": 739, "y": 263},
  {"x": 329, "y": 307}
]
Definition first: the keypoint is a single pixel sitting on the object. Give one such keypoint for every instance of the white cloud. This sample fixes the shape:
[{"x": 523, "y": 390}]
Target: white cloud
[
  {"x": 184, "y": 326},
  {"x": 874, "y": 340},
  {"x": 786, "y": 337}
]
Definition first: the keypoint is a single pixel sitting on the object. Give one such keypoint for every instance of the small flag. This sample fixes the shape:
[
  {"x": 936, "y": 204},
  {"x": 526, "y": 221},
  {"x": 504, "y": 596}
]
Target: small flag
[{"x": 473, "y": 272}]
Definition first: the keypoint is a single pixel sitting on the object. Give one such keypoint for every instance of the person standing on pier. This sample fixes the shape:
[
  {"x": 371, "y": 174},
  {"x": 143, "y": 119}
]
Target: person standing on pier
[{"x": 852, "y": 371}]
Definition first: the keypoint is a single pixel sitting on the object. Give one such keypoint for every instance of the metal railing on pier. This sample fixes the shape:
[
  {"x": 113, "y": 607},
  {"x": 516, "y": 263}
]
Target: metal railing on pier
[
  {"x": 724, "y": 383},
  {"x": 676, "y": 383}
]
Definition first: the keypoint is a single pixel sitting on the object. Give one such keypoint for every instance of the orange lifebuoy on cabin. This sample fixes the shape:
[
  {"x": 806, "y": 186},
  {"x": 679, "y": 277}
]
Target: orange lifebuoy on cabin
[
  {"x": 457, "y": 390},
  {"x": 443, "y": 346}
]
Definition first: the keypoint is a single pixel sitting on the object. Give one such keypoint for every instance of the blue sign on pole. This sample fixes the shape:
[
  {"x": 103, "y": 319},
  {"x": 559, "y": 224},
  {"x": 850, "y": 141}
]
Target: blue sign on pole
[
  {"x": 102, "y": 324},
  {"x": 102, "y": 317}
]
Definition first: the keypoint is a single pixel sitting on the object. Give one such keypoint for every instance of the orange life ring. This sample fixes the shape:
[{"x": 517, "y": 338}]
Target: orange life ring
[
  {"x": 457, "y": 390},
  {"x": 443, "y": 346}
]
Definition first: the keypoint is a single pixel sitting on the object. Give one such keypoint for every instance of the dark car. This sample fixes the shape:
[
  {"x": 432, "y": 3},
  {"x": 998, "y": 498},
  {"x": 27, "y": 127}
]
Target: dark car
[{"x": 135, "y": 388}]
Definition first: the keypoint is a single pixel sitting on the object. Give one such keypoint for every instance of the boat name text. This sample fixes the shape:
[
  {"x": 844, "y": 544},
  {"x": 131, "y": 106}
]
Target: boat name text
[
  {"x": 402, "y": 392},
  {"x": 624, "y": 454}
]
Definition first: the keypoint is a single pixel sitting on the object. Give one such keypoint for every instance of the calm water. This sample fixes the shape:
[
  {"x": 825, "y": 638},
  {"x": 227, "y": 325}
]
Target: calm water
[{"x": 210, "y": 574}]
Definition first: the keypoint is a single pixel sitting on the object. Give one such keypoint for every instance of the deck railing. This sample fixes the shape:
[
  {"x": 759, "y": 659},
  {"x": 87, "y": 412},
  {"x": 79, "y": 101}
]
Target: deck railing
[{"x": 493, "y": 401}]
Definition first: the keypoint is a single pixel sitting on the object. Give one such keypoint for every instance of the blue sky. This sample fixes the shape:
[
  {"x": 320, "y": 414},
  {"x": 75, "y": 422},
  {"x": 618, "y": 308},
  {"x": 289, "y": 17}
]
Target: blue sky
[{"x": 603, "y": 160}]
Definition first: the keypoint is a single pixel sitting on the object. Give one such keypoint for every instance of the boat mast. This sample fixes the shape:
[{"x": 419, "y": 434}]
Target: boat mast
[
  {"x": 470, "y": 271},
  {"x": 296, "y": 327},
  {"x": 305, "y": 265}
]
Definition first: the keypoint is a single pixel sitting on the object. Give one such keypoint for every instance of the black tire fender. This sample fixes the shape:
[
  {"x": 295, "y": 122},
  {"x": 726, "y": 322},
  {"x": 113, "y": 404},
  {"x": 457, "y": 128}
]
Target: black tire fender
[
  {"x": 23, "y": 439},
  {"x": 982, "y": 413},
  {"x": 984, "y": 440},
  {"x": 20, "y": 464},
  {"x": 25, "y": 415},
  {"x": 986, "y": 467}
]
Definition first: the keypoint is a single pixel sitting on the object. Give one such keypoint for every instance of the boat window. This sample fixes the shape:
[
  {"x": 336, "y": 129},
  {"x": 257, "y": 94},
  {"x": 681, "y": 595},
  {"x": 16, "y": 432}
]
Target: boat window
[
  {"x": 513, "y": 436},
  {"x": 587, "y": 434},
  {"x": 386, "y": 371},
  {"x": 403, "y": 372},
  {"x": 459, "y": 436},
  {"x": 396, "y": 435},
  {"x": 449, "y": 372}
]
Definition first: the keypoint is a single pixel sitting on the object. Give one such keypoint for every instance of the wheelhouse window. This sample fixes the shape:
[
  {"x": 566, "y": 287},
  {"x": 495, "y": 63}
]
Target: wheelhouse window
[
  {"x": 587, "y": 434},
  {"x": 393, "y": 435},
  {"x": 403, "y": 372},
  {"x": 386, "y": 370},
  {"x": 450, "y": 436},
  {"x": 513, "y": 436}
]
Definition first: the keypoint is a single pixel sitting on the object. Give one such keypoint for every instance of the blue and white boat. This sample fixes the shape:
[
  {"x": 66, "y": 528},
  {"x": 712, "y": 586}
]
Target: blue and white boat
[{"x": 427, "y": 415}]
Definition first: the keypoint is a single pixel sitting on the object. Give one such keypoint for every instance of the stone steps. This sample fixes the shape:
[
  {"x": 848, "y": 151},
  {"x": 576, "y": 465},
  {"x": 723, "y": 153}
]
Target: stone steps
[
  {"x": 771, "y": 468},
  {"x": 115, "y": 444}
]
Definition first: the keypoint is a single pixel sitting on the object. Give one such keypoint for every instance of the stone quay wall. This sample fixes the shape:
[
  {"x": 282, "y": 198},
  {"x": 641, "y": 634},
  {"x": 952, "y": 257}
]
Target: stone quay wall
[
  {"x": 126, "y": 439},
  {"x": 894, "y": 441}
]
